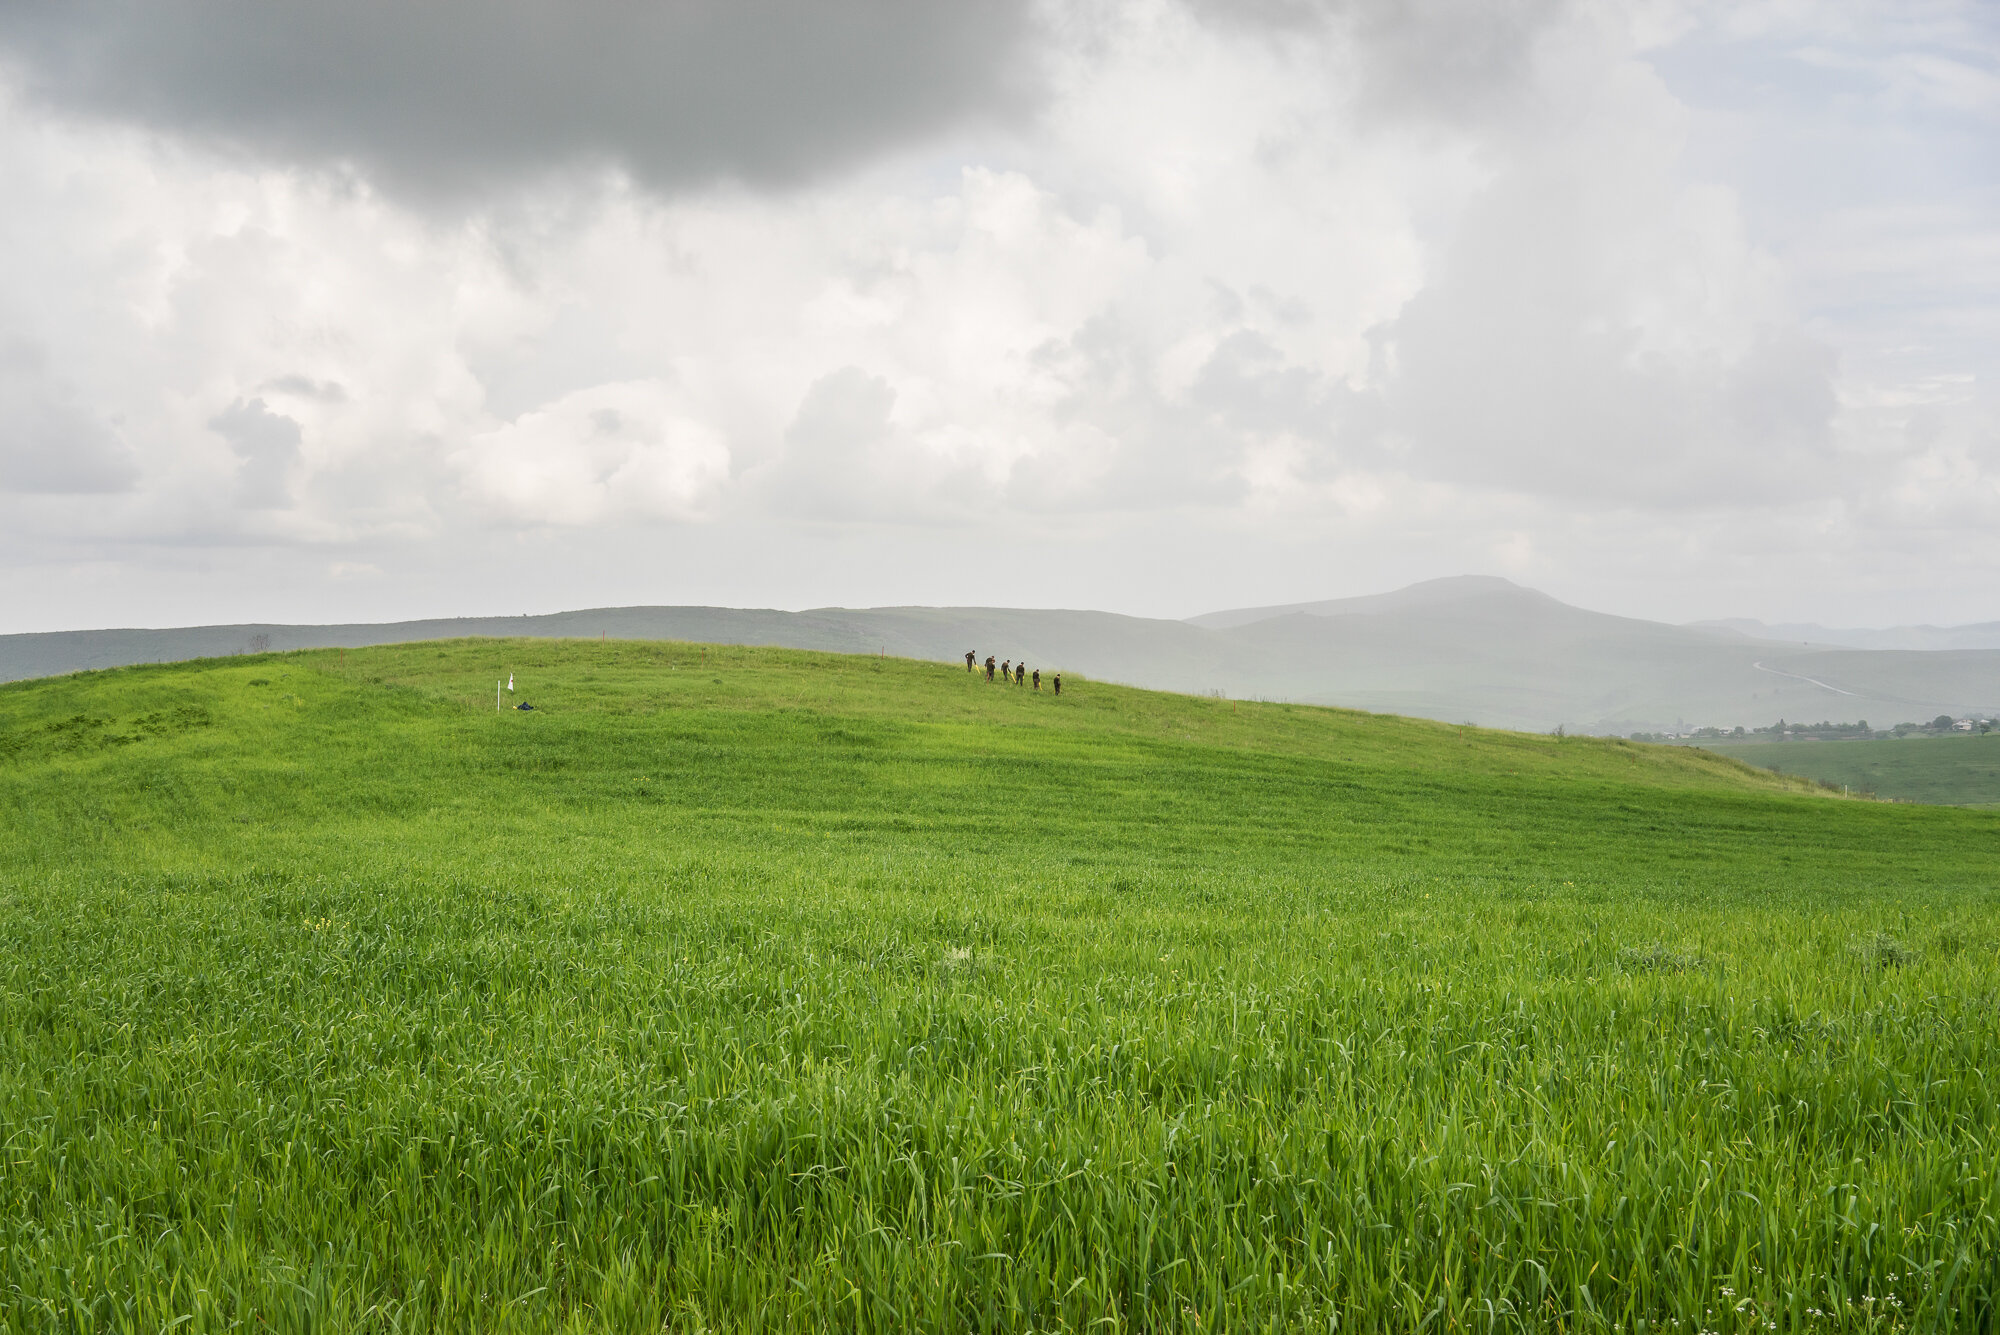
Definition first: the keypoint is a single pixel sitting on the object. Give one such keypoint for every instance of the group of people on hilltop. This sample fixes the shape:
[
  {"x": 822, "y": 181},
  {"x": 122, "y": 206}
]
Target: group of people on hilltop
[{"x": 1009, "y": 671}]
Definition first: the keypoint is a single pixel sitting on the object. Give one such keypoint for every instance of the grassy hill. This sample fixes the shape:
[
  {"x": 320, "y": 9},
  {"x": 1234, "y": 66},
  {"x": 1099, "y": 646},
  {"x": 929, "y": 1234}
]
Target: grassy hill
[
  {"x": 1467, "y": 649},
  {"x": 741, "y": 988},
  {"x": 1960, "y": 771}
]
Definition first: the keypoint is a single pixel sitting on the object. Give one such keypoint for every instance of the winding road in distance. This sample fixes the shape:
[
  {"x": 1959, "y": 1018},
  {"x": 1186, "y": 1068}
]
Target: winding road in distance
[{"x": 1779, "y": 672}]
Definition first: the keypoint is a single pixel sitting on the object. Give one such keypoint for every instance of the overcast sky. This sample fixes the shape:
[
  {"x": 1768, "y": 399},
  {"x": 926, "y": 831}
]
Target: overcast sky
[{"x": 322, "y": 312}]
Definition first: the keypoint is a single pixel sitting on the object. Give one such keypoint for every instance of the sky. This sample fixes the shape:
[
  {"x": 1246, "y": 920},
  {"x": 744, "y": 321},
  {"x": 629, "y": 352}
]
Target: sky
[{"x": 373, "y": 311}]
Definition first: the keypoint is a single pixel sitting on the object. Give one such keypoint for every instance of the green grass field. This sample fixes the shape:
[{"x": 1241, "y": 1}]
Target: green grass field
[
  {"x": 744, "y": 989},
  {"x": 1954, "y": 771}
]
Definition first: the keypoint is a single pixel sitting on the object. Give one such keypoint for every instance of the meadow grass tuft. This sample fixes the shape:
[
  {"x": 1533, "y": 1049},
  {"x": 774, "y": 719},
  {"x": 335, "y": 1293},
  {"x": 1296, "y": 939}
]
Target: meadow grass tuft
[
  {"x": 751, "y": 989},
  {"x": 1883, "y": 951},
  {"x": 1658, "y": 956}
]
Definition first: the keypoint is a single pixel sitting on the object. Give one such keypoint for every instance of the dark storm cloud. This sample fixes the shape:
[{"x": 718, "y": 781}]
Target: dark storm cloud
[{"x": 448, "y": 95}]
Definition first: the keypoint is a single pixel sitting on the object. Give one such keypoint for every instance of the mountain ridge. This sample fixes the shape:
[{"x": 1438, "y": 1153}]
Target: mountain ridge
[{"x": 1974, "y": 635}]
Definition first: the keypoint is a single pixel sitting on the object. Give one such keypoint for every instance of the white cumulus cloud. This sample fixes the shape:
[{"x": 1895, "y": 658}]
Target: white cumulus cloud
[{"x": 609, "y": 452}]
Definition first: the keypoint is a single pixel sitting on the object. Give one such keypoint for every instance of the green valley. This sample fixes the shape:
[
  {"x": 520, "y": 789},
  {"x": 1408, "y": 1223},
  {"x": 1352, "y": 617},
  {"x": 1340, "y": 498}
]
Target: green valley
[{"x": 1952, "y": 770}]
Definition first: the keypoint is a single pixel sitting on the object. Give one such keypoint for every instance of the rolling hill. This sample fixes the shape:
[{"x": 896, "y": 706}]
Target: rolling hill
[
  {"x": 742, "y": 988},
  {"x": 1473, "y": 649}
]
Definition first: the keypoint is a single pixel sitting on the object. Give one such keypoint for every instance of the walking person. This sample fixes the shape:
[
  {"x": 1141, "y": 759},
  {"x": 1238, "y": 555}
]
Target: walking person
[
  {"x": 1021, "y": 675},
  {"x": 1007, "y": 671},
  {"x": 969, "y": 653},
  {"x": 1058, "y": 683},
  {"x": 989, "y": 667},
  {"x": 1038, "y": 679}
]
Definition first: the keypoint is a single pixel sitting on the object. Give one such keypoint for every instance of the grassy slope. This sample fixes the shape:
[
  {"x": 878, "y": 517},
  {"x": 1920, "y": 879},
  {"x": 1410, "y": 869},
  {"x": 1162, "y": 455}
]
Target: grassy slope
[
  {"x": 1961, "y": 771},
  {"x": 761, "y": 987}
]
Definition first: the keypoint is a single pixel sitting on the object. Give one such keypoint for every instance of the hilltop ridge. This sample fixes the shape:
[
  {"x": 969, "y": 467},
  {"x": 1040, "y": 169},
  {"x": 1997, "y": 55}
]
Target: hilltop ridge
[
  {"x": 1474, "y": 649},
  {"x": 256, "y": 702}
]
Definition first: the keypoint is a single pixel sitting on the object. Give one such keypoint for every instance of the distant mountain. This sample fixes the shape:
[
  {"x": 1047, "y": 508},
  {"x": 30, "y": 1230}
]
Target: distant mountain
[
  {"x": 1490, "y": 651},
  {"x": 1473, "y": 649},
  {"x": 1982, "y": 635},
  {"x": 1431, "y": 593}
]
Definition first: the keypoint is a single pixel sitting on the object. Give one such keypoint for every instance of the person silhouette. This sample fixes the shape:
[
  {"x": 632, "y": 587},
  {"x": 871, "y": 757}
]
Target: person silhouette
[
  {"x": 989, "y": 667},
  {"x": 1007, "y": 670},
  {"x": 969, "y": 654},
  {"x": 1038, "y": 679},
  {"x": 1021, "y": 675},
  {"x": 1058, "y": 683}
]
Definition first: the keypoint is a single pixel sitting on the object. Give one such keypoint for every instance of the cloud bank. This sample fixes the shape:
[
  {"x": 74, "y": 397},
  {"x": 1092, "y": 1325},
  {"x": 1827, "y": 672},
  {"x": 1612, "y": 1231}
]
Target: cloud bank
[{"x": 1146, "y": 304}]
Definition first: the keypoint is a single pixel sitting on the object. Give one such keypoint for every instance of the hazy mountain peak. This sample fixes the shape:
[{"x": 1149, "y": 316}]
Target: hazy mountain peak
[{"x": 1424, "y": 594}]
